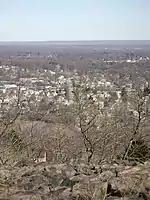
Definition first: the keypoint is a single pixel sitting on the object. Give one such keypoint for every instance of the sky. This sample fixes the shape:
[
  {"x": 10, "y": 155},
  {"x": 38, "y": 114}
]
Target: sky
[{"x": 48, "y": 20}]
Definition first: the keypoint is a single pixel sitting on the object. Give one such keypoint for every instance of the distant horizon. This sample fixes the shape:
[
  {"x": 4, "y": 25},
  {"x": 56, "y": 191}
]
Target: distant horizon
[
  {"x": 74, "y": 40},
  {"x": 79, "y": 42}
]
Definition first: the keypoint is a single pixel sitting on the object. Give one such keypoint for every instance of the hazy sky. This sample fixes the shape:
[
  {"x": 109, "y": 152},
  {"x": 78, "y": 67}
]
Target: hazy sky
[{"x": 74, "y": 20}]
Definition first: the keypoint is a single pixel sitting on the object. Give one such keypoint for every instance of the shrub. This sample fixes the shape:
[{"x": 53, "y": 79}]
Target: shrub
[{"x": 139, "y": 151}]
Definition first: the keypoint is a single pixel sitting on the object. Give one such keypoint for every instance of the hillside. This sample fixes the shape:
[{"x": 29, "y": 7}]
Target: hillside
[{"x": 42, "y": 181}]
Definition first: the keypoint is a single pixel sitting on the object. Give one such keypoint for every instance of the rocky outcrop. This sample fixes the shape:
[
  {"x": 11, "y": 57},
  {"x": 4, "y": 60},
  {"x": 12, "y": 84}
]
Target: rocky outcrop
[{"x": 61, "y": 182}]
